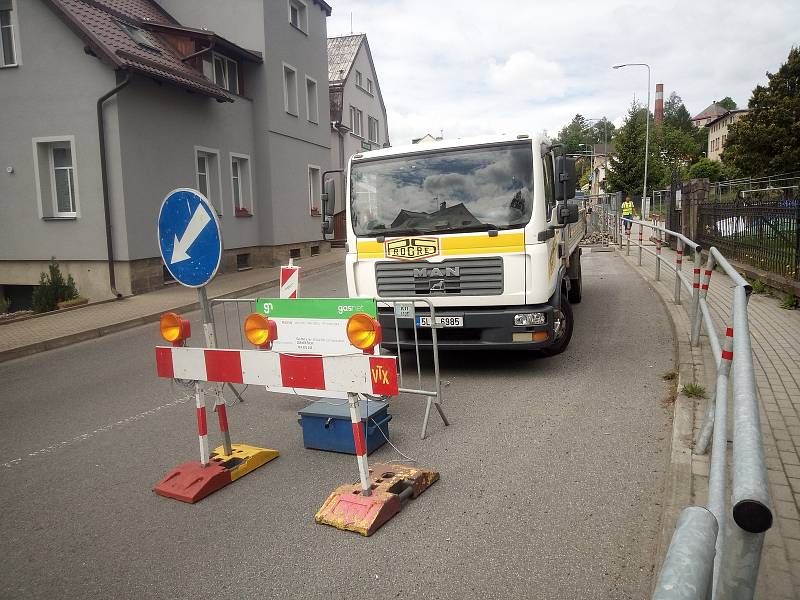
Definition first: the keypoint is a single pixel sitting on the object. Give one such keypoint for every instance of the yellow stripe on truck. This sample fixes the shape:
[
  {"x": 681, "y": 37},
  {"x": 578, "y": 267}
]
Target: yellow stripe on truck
[{"x": 450, "y": 245}]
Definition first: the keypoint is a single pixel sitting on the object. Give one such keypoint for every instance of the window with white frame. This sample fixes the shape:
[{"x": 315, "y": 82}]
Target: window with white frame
[
  {"x": 207, "y": 176},
  {"x": 8, "y": 49},
  {"x": 241, "y": 185},
  {"x": 369, "y": 85},
  {"x": 298, "y": 15},
  {"x": 372, "y": 130},
  {"x": 290, "y": 89},
  {"x": 359, "y": 78},
  {"x": 312, "y": 102},
  {"x": 314, "y": 190},
  {"x": 356, "y": 121},
  {"x": 226, "y": 73},
  {"x": 56, "y": 177}
]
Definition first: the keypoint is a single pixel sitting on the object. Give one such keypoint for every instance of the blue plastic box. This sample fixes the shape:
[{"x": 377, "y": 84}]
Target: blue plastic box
[{"x": 327, "y": 426}]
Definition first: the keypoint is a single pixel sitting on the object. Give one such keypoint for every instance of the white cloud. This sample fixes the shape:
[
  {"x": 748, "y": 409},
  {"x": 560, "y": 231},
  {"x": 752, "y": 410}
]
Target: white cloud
[
  {"x": 529, "y": 75},
  {"x": 472, "y": 67}
]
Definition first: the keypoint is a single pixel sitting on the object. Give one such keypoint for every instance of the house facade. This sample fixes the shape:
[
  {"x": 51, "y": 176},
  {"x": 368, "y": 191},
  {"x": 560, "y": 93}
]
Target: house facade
[
  {"x": 718, "y": 132},
  {"x": 357, "y": 111},
  {"x": 130, "y": 99},
  {"x": 708, "y": 114}
]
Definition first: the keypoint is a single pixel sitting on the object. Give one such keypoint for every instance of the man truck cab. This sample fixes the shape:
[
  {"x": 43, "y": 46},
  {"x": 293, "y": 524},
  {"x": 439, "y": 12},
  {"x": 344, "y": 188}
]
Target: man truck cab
[{"x": 481, "y": 227}]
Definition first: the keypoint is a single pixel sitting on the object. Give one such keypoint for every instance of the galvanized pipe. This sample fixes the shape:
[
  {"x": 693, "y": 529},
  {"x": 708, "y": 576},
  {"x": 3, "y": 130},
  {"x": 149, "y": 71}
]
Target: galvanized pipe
[
  {"x": 739, "y": 569},
  {"x": 676, "y": 294},
  {"x": 687, "y": 570},
  {"x": 752, "y": 504},
  {"x": 658, "y": 259},
  {"x": 705, "y": 279},
  {"x": 641, "y": 244}
]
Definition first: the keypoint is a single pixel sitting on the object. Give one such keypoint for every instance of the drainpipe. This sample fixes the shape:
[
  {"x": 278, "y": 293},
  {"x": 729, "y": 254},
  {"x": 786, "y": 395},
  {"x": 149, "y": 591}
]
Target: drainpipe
[{"x": 112, "y": 280}]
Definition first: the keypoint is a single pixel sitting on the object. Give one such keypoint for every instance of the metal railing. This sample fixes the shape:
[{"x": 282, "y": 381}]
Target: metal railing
[
  {"x": 229, "y": 314},
  {"x": 716, "y": 558}
]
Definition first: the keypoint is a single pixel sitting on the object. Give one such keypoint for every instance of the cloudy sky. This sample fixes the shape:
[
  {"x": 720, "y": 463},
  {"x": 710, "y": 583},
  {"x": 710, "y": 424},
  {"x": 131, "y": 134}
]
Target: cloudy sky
[{"x": 468, "y": 67}]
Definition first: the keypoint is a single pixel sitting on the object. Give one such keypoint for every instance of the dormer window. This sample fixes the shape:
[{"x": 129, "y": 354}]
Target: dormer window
[
  {"x": 226, "y": 73},
  {"x": 139, "y": 36}
]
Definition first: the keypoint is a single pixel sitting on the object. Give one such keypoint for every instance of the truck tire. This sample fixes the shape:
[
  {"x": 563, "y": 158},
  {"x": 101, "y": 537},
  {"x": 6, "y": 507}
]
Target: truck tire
[
  {"x": 562, "y": 329},
  {"x": 575, "y": 293}
]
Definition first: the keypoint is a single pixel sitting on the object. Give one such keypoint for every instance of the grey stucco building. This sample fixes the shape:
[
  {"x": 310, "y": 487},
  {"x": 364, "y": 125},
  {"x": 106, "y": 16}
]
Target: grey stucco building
[
  {"x": 226, "y": 96},
  {"x": 357, "y": 110}
]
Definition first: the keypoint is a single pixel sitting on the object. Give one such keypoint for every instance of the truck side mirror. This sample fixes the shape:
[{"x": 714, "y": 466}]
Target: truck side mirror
[
  {"x": 565, "y": 169},
  {"x": 567, "y": 213},
  {"x": 329, "y": 199}
]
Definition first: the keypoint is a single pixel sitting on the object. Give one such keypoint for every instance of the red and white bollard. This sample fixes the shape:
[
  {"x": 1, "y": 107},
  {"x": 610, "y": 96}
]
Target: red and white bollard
[
  {"x": 360, "y": 444},
  {"x": 290, "y": 280},
  {"x": 202, "y": 423}
]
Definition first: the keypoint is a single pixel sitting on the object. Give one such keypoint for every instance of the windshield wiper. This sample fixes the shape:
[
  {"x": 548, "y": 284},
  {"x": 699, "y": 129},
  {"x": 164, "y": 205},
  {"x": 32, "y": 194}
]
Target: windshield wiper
[
  {"x": 393, "y": 232},
  {"x": 475, "y": 227}
]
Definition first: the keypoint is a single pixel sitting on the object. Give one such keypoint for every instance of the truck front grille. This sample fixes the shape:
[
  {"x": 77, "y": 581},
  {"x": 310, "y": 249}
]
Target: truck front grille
[{"x": 459, "y": 277}]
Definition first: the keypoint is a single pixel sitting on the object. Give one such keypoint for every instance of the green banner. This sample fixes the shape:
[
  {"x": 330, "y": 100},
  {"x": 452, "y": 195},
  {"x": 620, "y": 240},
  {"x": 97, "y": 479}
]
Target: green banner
[{"x": 316, "y": 308}]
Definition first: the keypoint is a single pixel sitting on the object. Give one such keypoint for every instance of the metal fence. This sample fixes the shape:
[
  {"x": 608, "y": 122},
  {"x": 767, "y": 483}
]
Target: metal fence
[
  {"x": 755, "y": 221},
  {"x": 230, "y": 313},
  {"x": 715, "y": 553}
]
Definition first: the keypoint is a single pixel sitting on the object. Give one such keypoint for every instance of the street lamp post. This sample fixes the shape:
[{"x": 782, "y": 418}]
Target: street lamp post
[{"x": 647, "y": 126}]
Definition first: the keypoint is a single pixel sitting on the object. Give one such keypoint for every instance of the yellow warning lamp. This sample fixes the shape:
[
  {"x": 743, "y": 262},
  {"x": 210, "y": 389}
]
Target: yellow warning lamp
[
  {"x": 260, "y": 331},
  {"x": 174, "y": 329},
  {"x": 364, "y": 332}
]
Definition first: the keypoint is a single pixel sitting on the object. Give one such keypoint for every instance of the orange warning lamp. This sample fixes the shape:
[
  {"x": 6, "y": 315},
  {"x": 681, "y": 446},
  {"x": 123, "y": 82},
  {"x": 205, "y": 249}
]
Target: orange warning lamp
[
  {"x": 260, "y": 331},
  {"x": 174, "y": 329},
  {"x": 364, "y": 332}
]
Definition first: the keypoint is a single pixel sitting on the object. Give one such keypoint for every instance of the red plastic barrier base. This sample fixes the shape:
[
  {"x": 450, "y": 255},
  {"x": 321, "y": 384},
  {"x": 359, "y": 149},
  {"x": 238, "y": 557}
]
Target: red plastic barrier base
[{"x": 192, "y": 481}]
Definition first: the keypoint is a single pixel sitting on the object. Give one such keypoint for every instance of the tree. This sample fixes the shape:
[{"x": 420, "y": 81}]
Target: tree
[
  {"x": 727, "y": 102},
  {"x": 626, "y": 172},
  {"x": 676, "y": 115},
  {"x": 765, "y": 141},
  {"x": 713, "y": 170},
  {"x": 572, "y": 135}
]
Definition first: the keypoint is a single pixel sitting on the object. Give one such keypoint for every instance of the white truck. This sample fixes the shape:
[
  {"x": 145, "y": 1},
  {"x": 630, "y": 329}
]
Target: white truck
[{"x": 482, "y": 227}]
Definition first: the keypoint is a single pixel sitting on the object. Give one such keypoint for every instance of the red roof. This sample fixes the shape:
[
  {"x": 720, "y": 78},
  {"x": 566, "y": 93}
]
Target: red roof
[{"x": 100, "y": 23}]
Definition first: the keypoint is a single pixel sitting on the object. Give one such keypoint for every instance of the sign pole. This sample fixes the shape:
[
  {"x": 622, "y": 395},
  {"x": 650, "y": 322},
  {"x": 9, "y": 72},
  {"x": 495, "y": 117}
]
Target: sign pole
[{"x": 211, "y": 342}]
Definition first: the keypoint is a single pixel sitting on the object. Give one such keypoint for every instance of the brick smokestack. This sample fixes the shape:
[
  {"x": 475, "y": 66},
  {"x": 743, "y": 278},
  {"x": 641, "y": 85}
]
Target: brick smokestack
[{"x": 659, "y": 114}]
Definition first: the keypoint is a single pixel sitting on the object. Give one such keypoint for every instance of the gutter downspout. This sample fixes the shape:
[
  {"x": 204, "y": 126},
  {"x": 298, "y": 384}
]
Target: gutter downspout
[{"x": 112, "y": 280}]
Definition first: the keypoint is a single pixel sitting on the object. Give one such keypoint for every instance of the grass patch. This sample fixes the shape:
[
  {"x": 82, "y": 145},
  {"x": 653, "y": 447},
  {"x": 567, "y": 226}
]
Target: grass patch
[
  {"x": 669, "y": 376},
  {"x": 692, "y": 390},
  {"x": 790, "y": 302},
  {"x": 758, "y": 286}
]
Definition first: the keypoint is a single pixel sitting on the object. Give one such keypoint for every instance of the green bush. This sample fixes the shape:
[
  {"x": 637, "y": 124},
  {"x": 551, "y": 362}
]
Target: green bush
[
  {"x": 790, "y": 302},
  {"x": 53, "y": 289},
  {"x": 758, "y": 286}
]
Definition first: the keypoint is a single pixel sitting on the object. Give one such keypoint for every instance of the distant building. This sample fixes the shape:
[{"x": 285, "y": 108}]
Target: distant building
[
  {"x": 426, "y": 139},
  {"x": 228, "y": 97},
  {"x": 718, "y": 132},
  {"x": 711, "y": 112},
  {"x": 601, "y": 156},
  {"x": 357, "y": 111}
]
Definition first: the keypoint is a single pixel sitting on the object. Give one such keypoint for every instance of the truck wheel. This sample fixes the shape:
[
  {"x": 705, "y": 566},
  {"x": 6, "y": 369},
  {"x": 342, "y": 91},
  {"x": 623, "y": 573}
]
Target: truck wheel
[
  {"x": 576, "y": 285},
  {"x": 562, "y": 329}
]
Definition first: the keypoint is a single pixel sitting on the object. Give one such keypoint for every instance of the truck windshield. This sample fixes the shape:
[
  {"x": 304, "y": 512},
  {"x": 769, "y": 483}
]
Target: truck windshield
[{"x": 467, "y": 189}]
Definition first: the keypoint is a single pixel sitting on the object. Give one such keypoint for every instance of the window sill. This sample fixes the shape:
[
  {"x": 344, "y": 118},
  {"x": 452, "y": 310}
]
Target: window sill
[
  {"x": 14, "y": 66},
  {"x": 366, "y": 91},
  {"x": 243, "y": 213},
  {"x": 61, "y": 218},
  {"x": 355, "y": 135},
  {"x": 312, "y": 122},
  {"x": 315, "y": 213},
  {"x": 288, "y": 112},
  {"x": 296, "y": 28}
]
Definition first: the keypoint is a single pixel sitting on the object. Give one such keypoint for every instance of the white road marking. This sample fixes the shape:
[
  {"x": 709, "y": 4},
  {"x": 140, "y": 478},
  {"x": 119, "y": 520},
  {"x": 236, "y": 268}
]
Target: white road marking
[{"x": 85, "y": 436}]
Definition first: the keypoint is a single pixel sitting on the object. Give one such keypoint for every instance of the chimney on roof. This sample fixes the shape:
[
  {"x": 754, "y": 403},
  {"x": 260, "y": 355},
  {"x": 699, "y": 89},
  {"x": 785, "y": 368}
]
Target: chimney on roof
[{"x": 659, "y": 110}]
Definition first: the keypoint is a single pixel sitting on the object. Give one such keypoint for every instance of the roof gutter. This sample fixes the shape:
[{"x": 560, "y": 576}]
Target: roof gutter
[{"x": 112, "y": 280}]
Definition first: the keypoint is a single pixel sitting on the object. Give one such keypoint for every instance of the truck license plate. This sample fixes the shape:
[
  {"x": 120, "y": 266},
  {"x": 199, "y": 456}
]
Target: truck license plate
[{"x": 441, "y": 321}]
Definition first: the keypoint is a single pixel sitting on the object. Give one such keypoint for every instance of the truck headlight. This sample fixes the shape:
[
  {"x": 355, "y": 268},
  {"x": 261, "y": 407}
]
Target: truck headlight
[{"x": 528, "y": 319}]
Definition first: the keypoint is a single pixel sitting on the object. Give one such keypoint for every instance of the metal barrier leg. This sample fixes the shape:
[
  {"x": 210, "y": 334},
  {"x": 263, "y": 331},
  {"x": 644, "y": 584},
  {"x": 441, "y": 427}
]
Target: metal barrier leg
[
  {"x": 360, "y": 444},
  {"x": 222, "y": 415},
  {"x": 202, "y": 423},
  {"x": 703, "y": 292},
  {"x": 628, "y": 242}
]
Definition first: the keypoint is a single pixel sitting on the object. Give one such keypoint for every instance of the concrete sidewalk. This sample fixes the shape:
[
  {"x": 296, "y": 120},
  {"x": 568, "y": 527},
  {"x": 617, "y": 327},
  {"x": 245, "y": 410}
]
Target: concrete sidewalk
[
  {"x": 775, "y": 334},
  {"x": 21, "y": 338}
]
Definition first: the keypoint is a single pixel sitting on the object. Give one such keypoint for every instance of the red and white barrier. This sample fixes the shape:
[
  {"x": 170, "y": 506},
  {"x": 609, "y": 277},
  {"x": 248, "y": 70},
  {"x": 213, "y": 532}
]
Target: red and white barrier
[
  {"x": 354, "y": 373},
  {"x": 290, "y": 281}
]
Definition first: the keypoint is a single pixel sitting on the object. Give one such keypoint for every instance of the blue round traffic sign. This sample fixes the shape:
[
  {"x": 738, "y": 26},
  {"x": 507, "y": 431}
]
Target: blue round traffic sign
[{"x": 189, "y": 238}]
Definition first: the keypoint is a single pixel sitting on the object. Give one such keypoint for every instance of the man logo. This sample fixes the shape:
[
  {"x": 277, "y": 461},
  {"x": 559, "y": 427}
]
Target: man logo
[
  {"x": 411, "y": 248},
  {"x": 447, "y": 272},
  {"x": 437, "y": 285}
]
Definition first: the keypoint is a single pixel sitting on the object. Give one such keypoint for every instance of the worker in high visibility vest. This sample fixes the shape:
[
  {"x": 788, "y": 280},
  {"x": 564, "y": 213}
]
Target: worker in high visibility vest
[{"x": 628, "y": 212}]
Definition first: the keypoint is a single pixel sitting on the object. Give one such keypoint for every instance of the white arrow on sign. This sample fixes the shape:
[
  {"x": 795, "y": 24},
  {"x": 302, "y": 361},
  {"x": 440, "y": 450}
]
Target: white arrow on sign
[{"x": 181, "y": 246}]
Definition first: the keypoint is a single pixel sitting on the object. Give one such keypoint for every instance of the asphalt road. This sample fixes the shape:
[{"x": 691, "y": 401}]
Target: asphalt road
[{"x": 551, "y": 474}]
